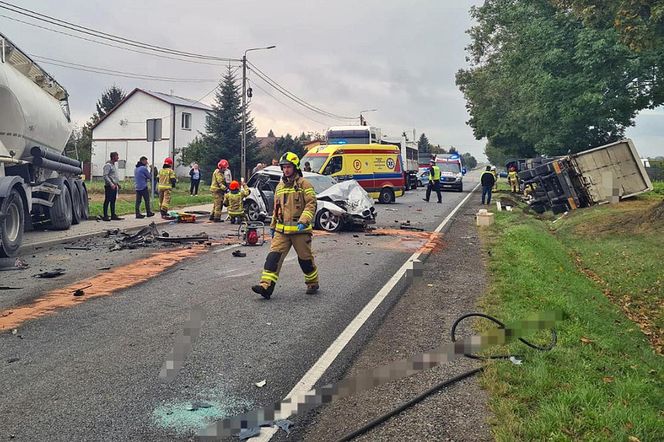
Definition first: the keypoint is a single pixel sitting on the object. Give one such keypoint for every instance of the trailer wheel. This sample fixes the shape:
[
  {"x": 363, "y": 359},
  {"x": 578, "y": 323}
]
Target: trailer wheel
[
  {"x": 11, "y": 226},
  {"x": 75, "y": 202},
  {"x": 85, "y": 203},
  {"x": 60, "y": 214}
]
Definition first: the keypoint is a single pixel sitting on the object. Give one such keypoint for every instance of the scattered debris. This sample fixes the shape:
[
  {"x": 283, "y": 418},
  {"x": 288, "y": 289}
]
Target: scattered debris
[
  {"x": 80, "y": 292},
  {"x": 375, "y": 234},
  {"x": 392, "y": 210},
  {"x": 516, "y": 361},
  {"x": 4, "y": 287},
  {"x": 52, "y": 274},
  {"x": 239, "y": 254},
  {"x": 284, "y": 424},
  {"x": 77, "y": 248},
  {"x": 429, "y": 285},
  {"x": 10, "y": 360},
  {"x": 407, "y": 226},
  {"x": 14, "y": 331},
  {"x": 201, "y": 237},
  {"x": 356, "y": 236},
  {"x": 20, "y": 264},
  {"x": 369, "y": 253},
  {"x": 261, "y": 384},
  {"x": 248, "y": 433},
  {"x": 198, "y": 405},
  {"x": 103, "y": 268},
  {"x": 366, "y": 263}
]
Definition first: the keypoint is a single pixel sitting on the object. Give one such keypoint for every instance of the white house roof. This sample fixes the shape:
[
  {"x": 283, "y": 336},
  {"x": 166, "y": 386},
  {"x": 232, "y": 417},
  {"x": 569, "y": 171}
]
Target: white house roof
[{"x": 178, "y": 101}]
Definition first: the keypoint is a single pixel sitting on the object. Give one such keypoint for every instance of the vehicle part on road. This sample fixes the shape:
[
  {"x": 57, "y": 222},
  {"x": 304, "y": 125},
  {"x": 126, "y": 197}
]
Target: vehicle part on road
[
  {"x": 201, "y": 237},
  {"x": 4, "y": 287},
  {"x": 409, "y": 227},
  {"x": 261, "y": 384},
  {"x": 52, "y": 274},
  {"x": 379, "y": 420},
  {"x": 374, "y": 377},
  {"x": 239, "y": 254},
  {"x": 77, "y": 248}
]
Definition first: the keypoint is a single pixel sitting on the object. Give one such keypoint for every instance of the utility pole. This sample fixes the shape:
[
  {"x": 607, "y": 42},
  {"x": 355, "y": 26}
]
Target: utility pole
[{"x": 243, "y": 154}]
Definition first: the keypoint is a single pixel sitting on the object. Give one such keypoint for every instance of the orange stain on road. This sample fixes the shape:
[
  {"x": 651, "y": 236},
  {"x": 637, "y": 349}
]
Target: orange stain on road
[
  {"x": 103, "y": 284},
  {"x": 411, "y": 240}
]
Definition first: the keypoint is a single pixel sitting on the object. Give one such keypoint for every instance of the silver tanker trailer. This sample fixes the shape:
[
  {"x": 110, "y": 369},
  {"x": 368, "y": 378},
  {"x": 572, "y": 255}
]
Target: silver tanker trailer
[{"x": 38, "y": 185}]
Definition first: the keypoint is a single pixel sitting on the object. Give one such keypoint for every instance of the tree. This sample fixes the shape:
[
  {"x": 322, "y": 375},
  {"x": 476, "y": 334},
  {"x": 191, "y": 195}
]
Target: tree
[
  {"x": 423, "y": 145},
  {"x": 453, "y": 150},
  {"x": 541, "y": 81},
  {"x": 223, "y": 137},
  {"x": 78, "y": 145},
  {"x": 271, "y": 134},
  {"x": 194, "y": 152},
  {"x": 469, "y": 161},
  {"x": 109, "y": 99},
  {"x": 289, "y": 144}
]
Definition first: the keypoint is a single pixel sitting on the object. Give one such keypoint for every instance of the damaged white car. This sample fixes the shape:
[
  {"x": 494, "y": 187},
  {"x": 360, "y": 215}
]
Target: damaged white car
[{"x": 339, "y": 204}]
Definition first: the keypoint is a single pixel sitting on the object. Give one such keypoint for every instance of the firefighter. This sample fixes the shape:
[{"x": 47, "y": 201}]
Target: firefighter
[
  {"x": 513, "y": 179},
  {"x": 292, "y": 219},
  {"x": 434, "y": 182},
  {"x": 495, "y": 177},
  {"x": 233, "y": 200},
  {"x": 218, "y": 188},
  {"x": 167, "y": 181}
]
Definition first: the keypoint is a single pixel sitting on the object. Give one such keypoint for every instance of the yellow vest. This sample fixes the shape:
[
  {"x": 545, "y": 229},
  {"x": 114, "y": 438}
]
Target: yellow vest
[
  {"x": 218, "y": 181},
  {"x": 165, "y": 177},
  {"x": 234, "y": 201},
  {"x": 436, "y": 173},
  {"x": 294, "y": 203}
]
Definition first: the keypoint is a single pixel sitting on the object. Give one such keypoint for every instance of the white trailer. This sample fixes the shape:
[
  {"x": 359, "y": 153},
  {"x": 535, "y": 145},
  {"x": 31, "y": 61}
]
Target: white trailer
[{"x": 37, "y": 183}]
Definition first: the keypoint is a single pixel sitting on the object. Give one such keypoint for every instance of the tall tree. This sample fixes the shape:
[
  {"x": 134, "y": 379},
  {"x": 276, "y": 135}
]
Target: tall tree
[
  {"x": 541, "y": 81},
  {"x": 469, "y": 161},
  {"x": 423, "y": 144},
  {"x": 270, "y": 134},
  {"x": 223, "y": 137},
  {"x": 109, "y": 99}
]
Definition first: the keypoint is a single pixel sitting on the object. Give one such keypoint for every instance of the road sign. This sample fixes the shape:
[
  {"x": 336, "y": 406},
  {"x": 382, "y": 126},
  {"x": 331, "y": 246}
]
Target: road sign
[{"x": 153, "y": 127}]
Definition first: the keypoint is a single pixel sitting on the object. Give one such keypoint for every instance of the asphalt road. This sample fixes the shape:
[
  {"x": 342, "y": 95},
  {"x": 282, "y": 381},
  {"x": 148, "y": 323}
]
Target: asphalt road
[{"x": 89, "y": 371}]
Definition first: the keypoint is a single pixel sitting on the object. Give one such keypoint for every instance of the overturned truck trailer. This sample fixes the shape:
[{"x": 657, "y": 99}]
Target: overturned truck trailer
[{"x": 604, "y": 174}]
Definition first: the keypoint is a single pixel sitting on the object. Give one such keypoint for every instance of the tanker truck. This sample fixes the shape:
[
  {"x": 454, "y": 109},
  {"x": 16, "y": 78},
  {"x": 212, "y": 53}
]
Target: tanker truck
[{"x": 38, "y": 185}]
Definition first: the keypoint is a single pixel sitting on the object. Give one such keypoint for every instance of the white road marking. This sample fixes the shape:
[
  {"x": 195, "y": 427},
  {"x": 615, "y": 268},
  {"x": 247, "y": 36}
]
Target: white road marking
[{"x": 318, "y": 369}]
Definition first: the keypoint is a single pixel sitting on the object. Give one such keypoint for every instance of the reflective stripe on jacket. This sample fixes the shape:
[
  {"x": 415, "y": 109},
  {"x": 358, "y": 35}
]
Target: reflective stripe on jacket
[
  {"x": 294, "y": 203},
  {"x": 218, "y": 182},
  {"x": 233, "y": 201},
  {"x": 435, "y": 173},
  {"x": 165, "y": 177}
]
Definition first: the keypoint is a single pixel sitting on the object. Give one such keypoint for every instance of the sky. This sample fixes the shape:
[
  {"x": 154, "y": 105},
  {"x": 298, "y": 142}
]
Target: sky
[{"x": 398, "y": 57}]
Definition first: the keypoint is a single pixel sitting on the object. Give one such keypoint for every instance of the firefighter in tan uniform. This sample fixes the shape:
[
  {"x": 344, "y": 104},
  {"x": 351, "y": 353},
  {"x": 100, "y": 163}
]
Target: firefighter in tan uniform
[
  {"x": 292, "y": 218},
  {"x": 233, "y": 200},
  {"x": 167, "y": 180},
  {"x": 218, "y": 188}
]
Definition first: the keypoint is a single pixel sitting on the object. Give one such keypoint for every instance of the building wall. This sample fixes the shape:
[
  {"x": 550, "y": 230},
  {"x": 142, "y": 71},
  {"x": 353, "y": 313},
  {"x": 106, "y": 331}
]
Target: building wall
[{"x": 183, "y": 136}]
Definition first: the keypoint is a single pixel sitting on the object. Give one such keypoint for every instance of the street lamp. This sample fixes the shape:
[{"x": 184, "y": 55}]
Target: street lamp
[
  {"x": 243, "y": 154},
  {"x": 362, "y": 118}
]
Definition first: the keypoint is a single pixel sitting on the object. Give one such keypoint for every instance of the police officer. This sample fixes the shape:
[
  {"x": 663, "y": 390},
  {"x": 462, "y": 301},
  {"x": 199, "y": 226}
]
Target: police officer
[
  {"x": 434, "y": 182},
  {"x": 292, "y": 218},
  {"x": 218, "y": 188}
]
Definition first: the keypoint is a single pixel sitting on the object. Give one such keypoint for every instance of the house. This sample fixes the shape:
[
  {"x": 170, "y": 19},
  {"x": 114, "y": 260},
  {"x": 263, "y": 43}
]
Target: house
[
  {"x": 123, "y": 130},
  {"x": 311, "y": 144}
]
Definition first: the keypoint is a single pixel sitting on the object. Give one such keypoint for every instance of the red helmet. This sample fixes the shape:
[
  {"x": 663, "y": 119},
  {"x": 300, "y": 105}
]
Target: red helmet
[
  {"x": 223, "y": 164},
  {"x": 168, "y": 161},
  {"x": 234, "y": 185}
]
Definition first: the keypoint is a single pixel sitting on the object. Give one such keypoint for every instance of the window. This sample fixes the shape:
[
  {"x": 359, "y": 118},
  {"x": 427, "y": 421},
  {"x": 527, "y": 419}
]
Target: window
[
  {"x": 208, "y": 120},
  {"x": 335, "y": 165},
  {"x": 186, "y": 121}
]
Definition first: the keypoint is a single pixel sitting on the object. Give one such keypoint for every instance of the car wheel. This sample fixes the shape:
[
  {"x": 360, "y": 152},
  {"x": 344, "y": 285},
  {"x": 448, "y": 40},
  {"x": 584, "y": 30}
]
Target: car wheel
[
  {"x": 252, "y": 210},
  {"x": 419, "y": 184},
  {"x": 326, "y": 220},
  {"x": 386, "y": 196}
]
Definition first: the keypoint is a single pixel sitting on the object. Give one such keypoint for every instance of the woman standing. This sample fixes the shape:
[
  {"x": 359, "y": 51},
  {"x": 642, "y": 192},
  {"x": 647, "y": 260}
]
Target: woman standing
[{"x": 195, "y": 174}]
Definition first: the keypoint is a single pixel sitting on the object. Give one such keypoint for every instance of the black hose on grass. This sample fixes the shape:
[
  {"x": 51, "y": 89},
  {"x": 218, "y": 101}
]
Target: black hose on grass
[{"x": 379, "y": 420}]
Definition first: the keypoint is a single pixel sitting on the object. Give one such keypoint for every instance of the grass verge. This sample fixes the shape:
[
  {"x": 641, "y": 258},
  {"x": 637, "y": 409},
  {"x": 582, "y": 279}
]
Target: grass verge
[
  {"x": 603, "y": 381},
  {"x": 124, "y": 205}
]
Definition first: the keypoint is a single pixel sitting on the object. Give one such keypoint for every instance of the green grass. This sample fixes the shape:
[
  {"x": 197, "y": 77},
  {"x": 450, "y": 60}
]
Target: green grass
[{"x": 603, "y": 381}]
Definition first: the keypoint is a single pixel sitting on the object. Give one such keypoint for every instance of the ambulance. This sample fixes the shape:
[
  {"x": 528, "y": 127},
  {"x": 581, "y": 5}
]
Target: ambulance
[{"x": 376, "y": 167}]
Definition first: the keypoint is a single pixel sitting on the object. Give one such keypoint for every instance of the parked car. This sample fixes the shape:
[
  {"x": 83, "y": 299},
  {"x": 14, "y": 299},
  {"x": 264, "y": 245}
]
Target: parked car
[
  {"x": 423, "y": 178},
  {"x": 502, "y": 174},
  {"x": 339, "y": 204}
]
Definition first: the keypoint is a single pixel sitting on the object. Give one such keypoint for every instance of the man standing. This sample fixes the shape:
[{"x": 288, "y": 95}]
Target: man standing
[
  {"x": 487, "y": 180},
  {"x": 294, "y": 209},
  {"x": 111, "y": 187},
  {"x": 434, "y": 182},
  {"x": 218, "y": 188},
  {"x": 513, "y": 179},
  {"x": 141, "y": 178},
  {"x": 167, "y": 180}
]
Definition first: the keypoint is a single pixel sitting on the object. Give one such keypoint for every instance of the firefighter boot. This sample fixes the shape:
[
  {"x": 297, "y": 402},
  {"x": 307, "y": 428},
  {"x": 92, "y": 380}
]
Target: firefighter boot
[
  {"x": 164, "y": 213},
  {"x": 265, "y": 292},
  {"x": 312, "y": 289}
]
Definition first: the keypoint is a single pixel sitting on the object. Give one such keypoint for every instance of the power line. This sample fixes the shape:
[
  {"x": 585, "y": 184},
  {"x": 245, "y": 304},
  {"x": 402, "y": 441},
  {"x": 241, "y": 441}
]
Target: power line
[
  {"x": 294, "y": 97},
  {"x": 107, "y": 71},
  {"x": 104, "y": 35},
  {"x": 108, "y": 44}
]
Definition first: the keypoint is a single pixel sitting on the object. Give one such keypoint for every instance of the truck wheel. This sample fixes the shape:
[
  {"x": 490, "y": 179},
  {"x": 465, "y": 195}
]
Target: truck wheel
[
  {"x": 60, "y": 213},
  {"x": 328, "y": 221},
  {"x": 85, "y": 203},
  {"x": 11, "y": 227},
  {"x": 75, "y": 203},
  {"x": 386, "y": 196}
]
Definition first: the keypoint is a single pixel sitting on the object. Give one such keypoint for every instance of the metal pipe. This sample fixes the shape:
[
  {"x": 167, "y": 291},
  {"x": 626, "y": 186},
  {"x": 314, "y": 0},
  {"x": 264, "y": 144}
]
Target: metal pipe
[
  {"x": 54, "y": 165},
  {"x": 40, "y": 152},
  {"x": 12, "y": 160}
]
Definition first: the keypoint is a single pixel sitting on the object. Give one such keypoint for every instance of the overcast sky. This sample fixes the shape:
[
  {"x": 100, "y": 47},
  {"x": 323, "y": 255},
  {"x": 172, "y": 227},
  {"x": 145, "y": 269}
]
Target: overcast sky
[{"x": 343, "y": 56}]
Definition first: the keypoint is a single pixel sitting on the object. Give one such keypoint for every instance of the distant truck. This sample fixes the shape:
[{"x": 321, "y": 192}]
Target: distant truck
[
  {"x": 37, "y": 183},
  {"x": 370, "y": 135},
  {"x": 604, "y": 174}
]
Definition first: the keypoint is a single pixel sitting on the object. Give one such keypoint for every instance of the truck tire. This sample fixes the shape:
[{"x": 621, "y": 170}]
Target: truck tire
[
  {"x": 11, "y": 227},
  {"x": 75, "y": 202},
  {"x": 386, "y": 196},
  {"x": 60, "y": 214},
  {"x": 85, "y": 203}
]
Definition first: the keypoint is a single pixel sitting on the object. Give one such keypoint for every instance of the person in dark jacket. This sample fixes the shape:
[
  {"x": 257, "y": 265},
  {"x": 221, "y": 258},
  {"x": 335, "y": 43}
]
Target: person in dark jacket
[
  {"x": 487, "y": 180},
  {"x": 141, "y": 179},
  {"x": 195, "y": 175}
]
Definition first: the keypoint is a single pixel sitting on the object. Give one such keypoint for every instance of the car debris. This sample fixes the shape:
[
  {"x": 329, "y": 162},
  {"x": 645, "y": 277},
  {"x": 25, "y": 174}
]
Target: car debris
[
  {"x": 196, "y": 405},
  {"x": 201, "y": 237},
  {"x": 77, "y": 248},
  {"x": 4, "y": 287},
  {"x": 238, "y": 254},
  {"x": 261, "y": 384},
  {"x": 11, "y": 360},
  {"x": 409, "y": 227},
  {"x": 50, "y": 274}
]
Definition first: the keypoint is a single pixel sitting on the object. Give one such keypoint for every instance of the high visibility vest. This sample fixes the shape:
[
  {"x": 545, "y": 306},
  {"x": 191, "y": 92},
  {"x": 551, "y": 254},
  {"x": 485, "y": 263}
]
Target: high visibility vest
[
  {"x": 436, "y": 173},
  {"x": 513, "y": 177},
  {"x": 294, "y": 203},
  {"x": 165, "y": 177},
  {"x": 218, "y": 182}
]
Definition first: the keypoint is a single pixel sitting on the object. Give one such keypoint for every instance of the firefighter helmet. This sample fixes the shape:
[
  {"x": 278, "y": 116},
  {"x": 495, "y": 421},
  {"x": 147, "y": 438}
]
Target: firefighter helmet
[
  {"x": 223, "y": 164},
  {"x": 234, "y": 185},
  {"x": 168, "y": 161},
  {"x": 290, "y": 158}
]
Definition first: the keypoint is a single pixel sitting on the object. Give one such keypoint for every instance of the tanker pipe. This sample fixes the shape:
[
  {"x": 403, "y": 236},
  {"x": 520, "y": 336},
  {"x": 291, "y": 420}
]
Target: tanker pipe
[
  {"x": 40, "y": 152},
  {"x": 54, "y": 165}
]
